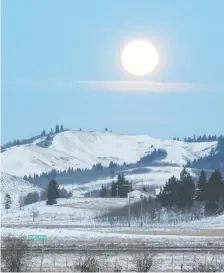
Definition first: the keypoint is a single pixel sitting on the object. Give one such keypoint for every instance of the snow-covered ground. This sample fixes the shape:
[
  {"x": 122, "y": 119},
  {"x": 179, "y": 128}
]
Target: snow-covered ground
[
  {"x": 81, "y": 212},
  {"x": 15, "y": 187},
  {"x": 157, "y": 176},
  {"x": 73, "y": 211},
  {"x": 162, "y": 262},
  {"x": 80, "y": 149}
]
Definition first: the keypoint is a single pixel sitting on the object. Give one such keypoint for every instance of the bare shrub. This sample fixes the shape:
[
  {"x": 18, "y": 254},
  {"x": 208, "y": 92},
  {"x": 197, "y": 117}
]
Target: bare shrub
[
  {"x": 34, "y": 213},
  {"x": 14, "y": 253},
  {"x": 144, "y": 262},
  {"x": 87, "y": 264},
  {"x": 207, "y": 267},
  {"x": 116, "y": 267}
]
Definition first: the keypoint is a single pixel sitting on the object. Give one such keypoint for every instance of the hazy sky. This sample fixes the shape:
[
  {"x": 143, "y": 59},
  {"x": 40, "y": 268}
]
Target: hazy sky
[{"x": 49, "y": 46}]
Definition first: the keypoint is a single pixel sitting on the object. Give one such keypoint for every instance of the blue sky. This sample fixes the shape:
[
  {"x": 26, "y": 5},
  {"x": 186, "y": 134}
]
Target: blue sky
[{"x": 48, "y": 46}]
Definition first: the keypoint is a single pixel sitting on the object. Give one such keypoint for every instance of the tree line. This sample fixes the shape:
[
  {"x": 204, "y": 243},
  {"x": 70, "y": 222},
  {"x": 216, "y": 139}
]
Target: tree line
[
  {"x": 118, "y": 188},
  {"x": 215, "y": 159},
  {"x": 201, "y": 138},
  {"x": 182, "y": 193},
  {"x": 50, "y": 195},
  {"x": 17, "y": 142},
  {"x": 98, "y": 170}
]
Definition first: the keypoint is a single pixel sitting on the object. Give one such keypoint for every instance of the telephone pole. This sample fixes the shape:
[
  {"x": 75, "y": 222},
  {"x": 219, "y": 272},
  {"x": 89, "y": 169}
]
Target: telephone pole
[
  {"x": 141, "y": 215},
  {"x": 129, "y": 203}
]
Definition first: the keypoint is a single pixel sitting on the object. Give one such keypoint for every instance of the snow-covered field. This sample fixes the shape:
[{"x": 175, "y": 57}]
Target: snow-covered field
[
  {"x": 73, "y": 211},
  {"x": 80, "y": 149},
  {"x": 162, "y": 262}
]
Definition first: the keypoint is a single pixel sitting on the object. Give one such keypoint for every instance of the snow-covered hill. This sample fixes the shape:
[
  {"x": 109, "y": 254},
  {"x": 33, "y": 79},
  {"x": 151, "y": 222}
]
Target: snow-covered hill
[
  {"x": 156, "y": 176},
  {"x": 15, "y": 187},
  {"x": 80, "y": 149}
]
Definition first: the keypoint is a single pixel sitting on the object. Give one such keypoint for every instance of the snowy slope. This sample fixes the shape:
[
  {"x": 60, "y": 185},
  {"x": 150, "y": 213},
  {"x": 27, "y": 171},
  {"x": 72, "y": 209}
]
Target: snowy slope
[
  {"x": 15, "y": 187},
  {"x": 80, "y": 149},
  {"x": 156, "y": 176},
  {"x": 70, "y": 211}
]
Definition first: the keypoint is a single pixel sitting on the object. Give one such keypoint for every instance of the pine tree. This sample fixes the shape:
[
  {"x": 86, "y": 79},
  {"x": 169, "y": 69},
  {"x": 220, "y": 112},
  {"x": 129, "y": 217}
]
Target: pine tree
[
  {"x": 169, "y": 196},
  {"x": 123, "y": 187},
  {"x": 187, "y": 191},
  {"x": 201, "y": 187},
  {"x": 103, "y": 191},
  {"x": 184, "y": 173},
  {"x": 61, "y": 128},
  {"x": 52, "y": 193},
  {"x": 214, "y": 192},
  {"x": 113, "y": 190},
  {"x": 57, "y": 129},
  {"x": 43, "y": 133},
  {"x": 112, "y": 174},
  {"x": 8, "y": 201}
]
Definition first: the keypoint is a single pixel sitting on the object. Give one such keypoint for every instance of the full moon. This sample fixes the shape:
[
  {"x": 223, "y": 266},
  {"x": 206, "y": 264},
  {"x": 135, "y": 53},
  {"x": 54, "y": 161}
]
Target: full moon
[{"x": 139, "y": 57}]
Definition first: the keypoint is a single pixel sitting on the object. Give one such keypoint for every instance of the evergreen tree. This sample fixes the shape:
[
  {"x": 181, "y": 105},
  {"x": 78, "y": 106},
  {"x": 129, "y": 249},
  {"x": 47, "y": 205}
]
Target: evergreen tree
[
  {"x": 103, "y": 191},
  {"x": 123, "y": 187},
  {"x": 57, "y": 130},
  {"x": 43, "y": 133},
  {"x": 112, "y": 174},
  {"x": 113, "y": 190},
  {"x": 201, "y": 187},
  {"x": 169, "y": 196},
  {"x": 187, "y": 190},
  {"x": 184, "y": 173},
  {"x": 52, "y": 193},
  {"x": 48, "y": 138},
  {"x": 61, "y": 128},
  {"x": 8, "y": 201},
  {"x": 214, "y": 192}
]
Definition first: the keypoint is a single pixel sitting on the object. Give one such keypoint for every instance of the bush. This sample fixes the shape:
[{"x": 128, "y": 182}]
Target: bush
[
  {"x": 30, "y": 198},
  {"x": 14, "y": 254},
  {"x": 43, "y": 196},
  {"x": 87, "y": 264},
  {"x": 144, "y": 262},
  {"x": 207, "y": 267},
  {"x": 63, "y": 193}
]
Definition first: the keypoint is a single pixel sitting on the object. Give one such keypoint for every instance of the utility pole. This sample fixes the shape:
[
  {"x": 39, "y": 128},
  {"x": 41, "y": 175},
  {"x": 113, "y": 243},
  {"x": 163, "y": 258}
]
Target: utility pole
[
  {"x": 129, "y": 203},
  {"x": 129, "y": 208},
  {"x": 141, "y": 209}
]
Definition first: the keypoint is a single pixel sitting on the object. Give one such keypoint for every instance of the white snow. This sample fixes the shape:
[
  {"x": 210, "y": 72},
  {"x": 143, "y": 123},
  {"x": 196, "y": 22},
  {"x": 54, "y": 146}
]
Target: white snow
[
  {"x": 82, "y": 211},
  {"x": 70, "y": 211},
  {"x": 156, "y": 176},
  {"x": 79, "y": 149},
  {"x": 136, "y": 194},
  {"x": 15, "y": 187}
]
